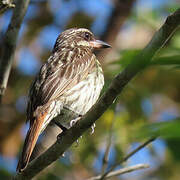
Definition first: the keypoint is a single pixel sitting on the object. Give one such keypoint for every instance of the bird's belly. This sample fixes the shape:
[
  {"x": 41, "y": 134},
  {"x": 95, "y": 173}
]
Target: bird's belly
[{"x": 84, "y": 95}]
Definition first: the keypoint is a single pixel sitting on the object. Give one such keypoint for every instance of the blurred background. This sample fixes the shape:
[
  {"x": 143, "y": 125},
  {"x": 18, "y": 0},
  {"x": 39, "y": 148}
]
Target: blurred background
[{"x": 148, "y": 105}]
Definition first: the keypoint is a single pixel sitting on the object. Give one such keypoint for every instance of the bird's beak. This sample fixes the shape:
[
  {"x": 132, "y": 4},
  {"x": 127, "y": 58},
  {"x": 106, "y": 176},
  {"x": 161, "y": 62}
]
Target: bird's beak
[{"x": 97, "y": 44}]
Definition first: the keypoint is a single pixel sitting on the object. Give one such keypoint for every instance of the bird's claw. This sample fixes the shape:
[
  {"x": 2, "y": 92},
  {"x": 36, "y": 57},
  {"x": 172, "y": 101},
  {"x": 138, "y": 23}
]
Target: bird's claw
[
  {"x": 92, "y": 128},
  {"x": 73, "y": 122}
]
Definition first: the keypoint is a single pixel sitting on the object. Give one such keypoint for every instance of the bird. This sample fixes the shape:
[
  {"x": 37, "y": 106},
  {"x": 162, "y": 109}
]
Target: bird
[{"x": 72, "y": 77}]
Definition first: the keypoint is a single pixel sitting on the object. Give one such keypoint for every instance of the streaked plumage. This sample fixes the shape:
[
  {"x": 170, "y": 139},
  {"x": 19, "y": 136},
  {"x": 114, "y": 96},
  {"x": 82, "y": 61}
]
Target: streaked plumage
[{"x": 72, "y": 77}]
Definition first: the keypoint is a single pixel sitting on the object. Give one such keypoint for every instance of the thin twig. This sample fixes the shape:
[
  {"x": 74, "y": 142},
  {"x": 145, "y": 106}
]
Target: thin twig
[
  {"x": 116, "y": 87},
  {"x": 127, "y": 157},
  {"x": 9, "y": 43},
  {"x": 109, "y": 141},
  {"x": 122, "y": 171},
  {"x": 106, "y": 154}
]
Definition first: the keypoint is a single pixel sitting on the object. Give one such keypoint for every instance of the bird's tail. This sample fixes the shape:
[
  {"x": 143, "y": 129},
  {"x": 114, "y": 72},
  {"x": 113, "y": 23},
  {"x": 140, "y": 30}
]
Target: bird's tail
[{"x": 30, "y": 141}]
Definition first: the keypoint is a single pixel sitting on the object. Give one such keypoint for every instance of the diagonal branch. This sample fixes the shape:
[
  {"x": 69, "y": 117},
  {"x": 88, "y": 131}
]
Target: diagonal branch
[
  {"x": 116, "y": 87},
  {"x": 127, "y": 157},
  {"x": 9, "y": 43},
  {"x": 122, "y": 10},
  {"x": 122, "y": 171}
]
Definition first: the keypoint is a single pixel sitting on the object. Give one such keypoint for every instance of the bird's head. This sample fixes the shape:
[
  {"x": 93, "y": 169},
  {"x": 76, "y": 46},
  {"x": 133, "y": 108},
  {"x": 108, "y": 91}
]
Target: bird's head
[{"x": 80, "y": 37}]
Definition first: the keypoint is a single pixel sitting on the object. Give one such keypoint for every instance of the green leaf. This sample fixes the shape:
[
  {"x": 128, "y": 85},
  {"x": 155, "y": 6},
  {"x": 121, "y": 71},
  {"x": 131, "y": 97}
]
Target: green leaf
[
  {"x": 163, "y": 129},
  {"x": 127, "y": 57},
  {"x": 166, "y": 60}
]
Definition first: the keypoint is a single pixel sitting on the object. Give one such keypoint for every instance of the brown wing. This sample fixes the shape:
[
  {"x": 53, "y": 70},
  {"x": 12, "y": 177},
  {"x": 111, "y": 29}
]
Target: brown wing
[
  {"x": 57, "y": 76},
  {"x": 54, "y": 79}
]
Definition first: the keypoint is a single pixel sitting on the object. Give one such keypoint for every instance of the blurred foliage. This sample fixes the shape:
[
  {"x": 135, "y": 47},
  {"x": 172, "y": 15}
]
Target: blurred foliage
[
  {"x": 4, "y": 174},
  {"x": 163, "y": 129},
  {"x": 148, "y": 106}
]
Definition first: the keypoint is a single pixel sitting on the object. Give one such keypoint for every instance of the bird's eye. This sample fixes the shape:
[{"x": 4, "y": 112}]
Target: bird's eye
[{"x": 87, "y": 36}]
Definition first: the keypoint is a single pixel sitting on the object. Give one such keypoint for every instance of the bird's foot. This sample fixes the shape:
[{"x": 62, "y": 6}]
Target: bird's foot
[
  {"x": 73, "y": 122},
  {"x": 92, "y": 128}
]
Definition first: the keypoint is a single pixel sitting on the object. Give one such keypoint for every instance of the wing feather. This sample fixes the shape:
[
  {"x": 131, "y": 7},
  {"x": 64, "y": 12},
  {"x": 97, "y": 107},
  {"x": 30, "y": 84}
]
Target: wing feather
[{"x": 57, "y": 76}]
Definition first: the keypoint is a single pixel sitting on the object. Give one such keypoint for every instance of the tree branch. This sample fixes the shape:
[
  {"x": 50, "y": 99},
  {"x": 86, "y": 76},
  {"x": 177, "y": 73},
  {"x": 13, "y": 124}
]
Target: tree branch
[
  {"x": 109, "y": 141},
  {"x": 9, "y": 43},
  {"x": 122, "y": 9},
  {"x": 127, "y": 157},
  {"x": 122, "y": 171},
  {"x": 116, "y": 87}
]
